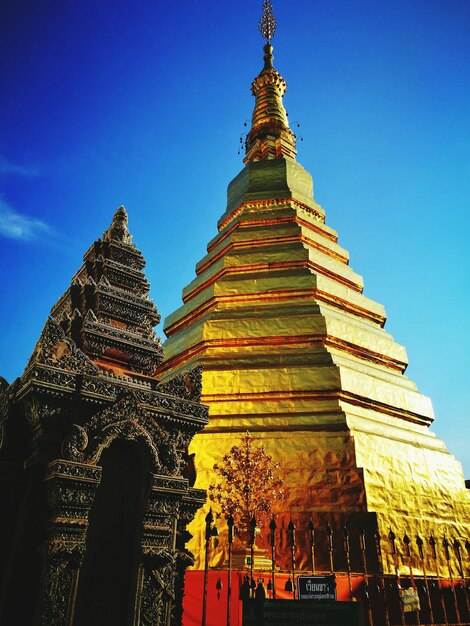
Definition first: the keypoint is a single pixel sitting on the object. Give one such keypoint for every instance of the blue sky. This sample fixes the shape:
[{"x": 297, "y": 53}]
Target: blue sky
[{"x": 142, "y": 103}]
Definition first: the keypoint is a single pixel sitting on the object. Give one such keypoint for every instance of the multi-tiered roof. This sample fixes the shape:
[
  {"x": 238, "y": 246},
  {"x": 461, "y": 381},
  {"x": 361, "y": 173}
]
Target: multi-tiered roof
[{"x": 107, "y": 310}]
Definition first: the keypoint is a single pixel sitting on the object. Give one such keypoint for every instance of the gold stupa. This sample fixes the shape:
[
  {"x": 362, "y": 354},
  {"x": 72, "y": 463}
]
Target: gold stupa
[{"x": 294, "y": 352}]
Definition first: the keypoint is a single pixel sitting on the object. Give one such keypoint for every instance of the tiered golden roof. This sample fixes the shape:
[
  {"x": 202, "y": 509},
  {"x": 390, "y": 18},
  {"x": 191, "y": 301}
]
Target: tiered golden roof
[{"x": 295, "y": 352}]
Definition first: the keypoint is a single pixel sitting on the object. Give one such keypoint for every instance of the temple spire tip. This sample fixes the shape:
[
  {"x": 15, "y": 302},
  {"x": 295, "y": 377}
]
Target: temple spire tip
[
  {"x": 267, "y": 23},
  {"x": 270, "y": 136},
  {"x": 118, "y": 229}
]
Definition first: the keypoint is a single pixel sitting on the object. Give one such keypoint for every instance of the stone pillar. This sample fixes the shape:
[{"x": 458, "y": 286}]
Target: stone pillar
[
  {"x": 195, "y": 499},
  {"x": 70, "y": 489},
  {"x": 158, "y": 571}
]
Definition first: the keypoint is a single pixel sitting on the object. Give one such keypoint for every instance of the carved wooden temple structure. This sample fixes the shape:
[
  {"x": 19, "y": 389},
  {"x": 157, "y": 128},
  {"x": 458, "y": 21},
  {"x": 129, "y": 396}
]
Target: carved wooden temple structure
[
  {"x": 294, "y": 351},
  {"x": 95, "y": 483}
]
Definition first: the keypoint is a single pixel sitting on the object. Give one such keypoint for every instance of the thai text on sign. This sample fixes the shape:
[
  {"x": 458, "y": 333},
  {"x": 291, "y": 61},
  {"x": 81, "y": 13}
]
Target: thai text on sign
[
  {"x": 301, "y": 613},
  {"x": 317, "y": 587},
  {"x": 410, "y": 599}
]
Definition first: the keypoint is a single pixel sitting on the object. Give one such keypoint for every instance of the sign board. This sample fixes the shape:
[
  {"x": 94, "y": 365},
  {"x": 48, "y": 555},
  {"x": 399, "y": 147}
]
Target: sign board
[
  {"x": 410, "y": 599},
  {"x": 317, "y": 587},
  {"x": 301, "y": 613}
]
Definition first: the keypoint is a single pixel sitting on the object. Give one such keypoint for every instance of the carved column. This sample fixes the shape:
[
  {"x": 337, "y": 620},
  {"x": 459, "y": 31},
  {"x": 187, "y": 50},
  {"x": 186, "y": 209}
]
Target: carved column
[
  {"x": 70, "y": 489},
  {"x": 158, "y": 569},
  {"x": 193, "y": 500}
]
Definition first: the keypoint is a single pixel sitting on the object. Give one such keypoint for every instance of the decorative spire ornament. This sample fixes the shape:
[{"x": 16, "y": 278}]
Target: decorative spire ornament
[
  {"x": 267, "y": 23},
  {"x": 270, "y": 136}
]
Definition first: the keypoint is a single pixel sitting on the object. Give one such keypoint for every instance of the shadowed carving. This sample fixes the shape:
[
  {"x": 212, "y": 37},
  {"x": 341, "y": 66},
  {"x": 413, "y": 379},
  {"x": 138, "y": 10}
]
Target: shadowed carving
[
  {"x": 54, "y": 348},
  {"x": 125, "y": 419}
]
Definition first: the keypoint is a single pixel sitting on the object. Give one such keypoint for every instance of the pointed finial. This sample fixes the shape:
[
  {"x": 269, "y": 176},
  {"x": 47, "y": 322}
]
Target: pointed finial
[
  {"x": 267, "y": 23},
  {"x": 120, "y": 213},
  {"x": 118, "y": 229}
]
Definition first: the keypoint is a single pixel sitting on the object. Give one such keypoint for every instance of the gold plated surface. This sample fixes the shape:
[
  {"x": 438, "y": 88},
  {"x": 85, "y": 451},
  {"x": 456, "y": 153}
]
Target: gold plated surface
[{"x": 294, "y": 352}]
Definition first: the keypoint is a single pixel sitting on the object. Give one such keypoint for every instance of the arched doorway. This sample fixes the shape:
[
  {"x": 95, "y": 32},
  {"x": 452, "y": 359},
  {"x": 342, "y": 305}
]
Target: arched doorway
[{"x": 108, "y": 577}]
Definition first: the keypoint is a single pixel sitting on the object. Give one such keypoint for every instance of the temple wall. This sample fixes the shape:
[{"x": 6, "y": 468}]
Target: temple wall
[
  {"x": 413, "y": 484},
  {"x": 319, "y": 471}
]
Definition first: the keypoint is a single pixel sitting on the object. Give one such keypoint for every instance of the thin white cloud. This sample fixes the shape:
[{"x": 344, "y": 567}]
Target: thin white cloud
[
  {"x": 13, "y": 225},
  {"x": 15, "y": 169}
]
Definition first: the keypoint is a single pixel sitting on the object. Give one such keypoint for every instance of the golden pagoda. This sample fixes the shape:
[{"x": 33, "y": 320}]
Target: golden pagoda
[{"x": 293, "y": 351}]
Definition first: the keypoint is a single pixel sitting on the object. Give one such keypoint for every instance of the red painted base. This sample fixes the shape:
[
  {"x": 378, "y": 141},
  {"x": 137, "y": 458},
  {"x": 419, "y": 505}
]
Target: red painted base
[{"x": 216, "y": 611}]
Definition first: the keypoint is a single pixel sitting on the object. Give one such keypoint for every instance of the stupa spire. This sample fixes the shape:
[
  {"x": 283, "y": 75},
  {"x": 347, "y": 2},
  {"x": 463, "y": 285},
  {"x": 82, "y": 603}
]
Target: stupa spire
[{"x": 270, "y": 136}]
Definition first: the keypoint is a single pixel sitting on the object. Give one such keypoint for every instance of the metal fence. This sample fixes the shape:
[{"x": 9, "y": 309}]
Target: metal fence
[{"x": 398, "y": 580}]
